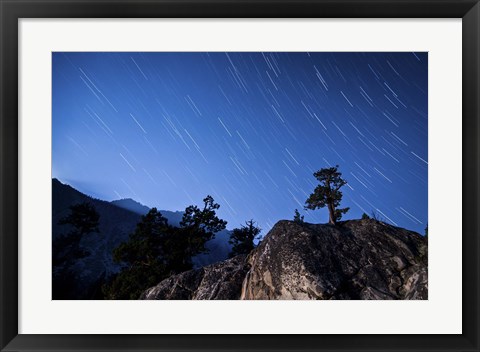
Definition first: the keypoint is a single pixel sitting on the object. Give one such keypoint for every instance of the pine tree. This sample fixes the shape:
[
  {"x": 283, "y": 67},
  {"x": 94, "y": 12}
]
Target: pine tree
[
  {"x": 198, "y": 226},
  {"x": 141, "y": 258},
  {"x": 204, "y": 221},
  {"x": 83, "y": 219},
  {"x": 327, "y": 193},
  {"x": 297, "y": 218},
  {"x": 242, "y": 239},
  {"x": 66, "y": 250},
  {"x": 157, "y": 250}
]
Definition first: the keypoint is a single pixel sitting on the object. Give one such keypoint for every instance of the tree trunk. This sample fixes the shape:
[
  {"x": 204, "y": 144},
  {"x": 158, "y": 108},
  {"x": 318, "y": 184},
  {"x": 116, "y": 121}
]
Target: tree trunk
[{"x": 331, "y": 211}]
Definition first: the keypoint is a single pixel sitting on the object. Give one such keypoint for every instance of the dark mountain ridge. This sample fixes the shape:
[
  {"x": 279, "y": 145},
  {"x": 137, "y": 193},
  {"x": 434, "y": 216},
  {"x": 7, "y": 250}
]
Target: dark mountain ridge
[
  {"x": 174, "y": 217},
  {"x": 132, "y": 205},
  {"x": 114, "y": 227},
  {"x": 117, "y": 220}
]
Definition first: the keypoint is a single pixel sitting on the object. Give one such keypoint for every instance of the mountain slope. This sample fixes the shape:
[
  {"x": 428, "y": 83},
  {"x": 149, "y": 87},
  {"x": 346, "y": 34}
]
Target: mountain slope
[
  {"x": 218, "y": 247},
  {"x": 174, "y": 217},
  {"x": 115, "y": 226},
  {"x": 130, "y": 204},
  {"x": 358, "y": 259},
  {"x": 117, "y": 220}
]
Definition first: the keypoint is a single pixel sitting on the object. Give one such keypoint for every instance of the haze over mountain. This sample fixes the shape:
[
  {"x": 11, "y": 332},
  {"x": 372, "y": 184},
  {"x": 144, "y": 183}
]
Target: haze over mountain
[{"x": 132, "y": 205}]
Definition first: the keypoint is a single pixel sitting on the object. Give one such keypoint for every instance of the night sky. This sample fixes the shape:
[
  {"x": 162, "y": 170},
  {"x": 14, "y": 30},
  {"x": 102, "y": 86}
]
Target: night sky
[{"x": 250, "y": 129}]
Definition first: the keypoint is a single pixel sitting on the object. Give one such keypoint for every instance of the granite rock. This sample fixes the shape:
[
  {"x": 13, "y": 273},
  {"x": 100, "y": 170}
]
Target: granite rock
[{"x": 357, "y": 259}]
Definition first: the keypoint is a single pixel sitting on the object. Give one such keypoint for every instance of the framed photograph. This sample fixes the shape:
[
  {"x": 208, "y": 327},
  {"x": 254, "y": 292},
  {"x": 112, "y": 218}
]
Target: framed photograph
[{"x": 239, "y": 176}]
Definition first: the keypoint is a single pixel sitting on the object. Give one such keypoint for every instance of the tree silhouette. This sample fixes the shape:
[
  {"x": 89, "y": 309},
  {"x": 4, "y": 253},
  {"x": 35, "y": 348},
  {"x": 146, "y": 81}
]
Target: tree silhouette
[
  {"x": 297, "y": 218},
  {"x": 84, "y": 219},
  {"x": 327, "y": 193},
  {"x": 142, "y": 258},
  {"x": 157, "y": 250},
  {"x": 205, "y": 219},
  {"x": 199, "y": 226},
  {"x": 145, "y": 245},
  {"x": 243, "y": 238},
  {"x": 66, "y": 250}
]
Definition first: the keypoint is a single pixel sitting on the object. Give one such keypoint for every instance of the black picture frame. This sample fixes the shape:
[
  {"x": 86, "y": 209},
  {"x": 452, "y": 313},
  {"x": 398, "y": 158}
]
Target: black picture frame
[{"x": 12, "y": 10}]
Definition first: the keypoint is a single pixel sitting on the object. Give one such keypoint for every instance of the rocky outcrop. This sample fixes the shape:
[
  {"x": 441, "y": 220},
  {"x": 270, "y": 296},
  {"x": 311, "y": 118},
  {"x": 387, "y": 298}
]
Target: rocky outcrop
[
  {"x": 360, "y": 259},
  {"x": 357, "y": 259},
  {"x": 217, "y": 281}
]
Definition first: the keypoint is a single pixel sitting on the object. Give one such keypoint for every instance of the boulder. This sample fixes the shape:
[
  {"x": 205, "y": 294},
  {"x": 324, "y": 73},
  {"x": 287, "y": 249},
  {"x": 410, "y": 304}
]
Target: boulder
[
  {"x": 358, "y": 259},
  {"x": 221, "y": 281}
]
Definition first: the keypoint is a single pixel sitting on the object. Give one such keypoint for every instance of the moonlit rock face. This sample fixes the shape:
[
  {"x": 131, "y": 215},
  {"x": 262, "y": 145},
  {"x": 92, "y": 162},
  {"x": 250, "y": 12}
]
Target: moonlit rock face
[
  {"x": 361, "y": 259},
  {"x": 220, "y": 281},
  {"x": 358, "y": 259}
]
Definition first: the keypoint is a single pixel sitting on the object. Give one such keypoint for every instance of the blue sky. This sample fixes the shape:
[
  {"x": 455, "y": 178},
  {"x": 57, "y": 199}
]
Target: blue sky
[{"x": 250, "y": 129}]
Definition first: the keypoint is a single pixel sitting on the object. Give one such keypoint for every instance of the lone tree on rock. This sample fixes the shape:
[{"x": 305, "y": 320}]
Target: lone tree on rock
[
  {"x": 297, "y": 218},
  {"x": 328, "y": 193}
]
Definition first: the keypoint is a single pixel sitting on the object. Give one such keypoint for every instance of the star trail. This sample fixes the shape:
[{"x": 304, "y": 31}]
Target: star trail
[{"x": 250, "y": 129}]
